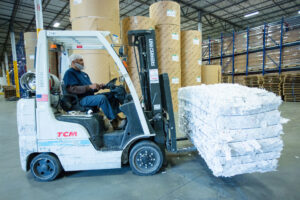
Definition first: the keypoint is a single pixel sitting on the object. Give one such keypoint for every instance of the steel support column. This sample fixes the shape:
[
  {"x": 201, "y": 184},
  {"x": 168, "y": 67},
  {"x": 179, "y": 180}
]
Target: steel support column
[
  {"x": 247, "y": 52},
  {"x": 264, "y": 50},
  {"x": 15, "y": 63},
  {"x": 280, "y": 46},
  {"x": 7, "y": 68},
  {"x": 38, "y": 16},
  {"x": 232, "y": 56}
]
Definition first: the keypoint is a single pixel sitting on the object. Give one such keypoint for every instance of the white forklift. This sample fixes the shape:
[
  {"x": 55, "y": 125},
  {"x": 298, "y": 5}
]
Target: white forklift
[{"x": 52, "y": 141}]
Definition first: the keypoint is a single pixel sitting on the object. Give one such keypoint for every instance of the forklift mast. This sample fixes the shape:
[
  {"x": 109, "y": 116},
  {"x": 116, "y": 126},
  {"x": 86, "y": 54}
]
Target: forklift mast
[{"x": 155, "y": 88}]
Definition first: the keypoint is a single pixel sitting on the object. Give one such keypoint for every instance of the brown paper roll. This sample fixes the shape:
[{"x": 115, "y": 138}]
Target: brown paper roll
[
  {"x": 169, "y": 56},
  {"x": 97, "y": 64},
  {"x": 191, "y": 58},
  {"x": 135, "y": 23},
  {"x": 165, "y": 13},
  {"x": 102, "y": 8},
  {"x": 98, "y": 15},
  {"x": 96, "y": 23}
]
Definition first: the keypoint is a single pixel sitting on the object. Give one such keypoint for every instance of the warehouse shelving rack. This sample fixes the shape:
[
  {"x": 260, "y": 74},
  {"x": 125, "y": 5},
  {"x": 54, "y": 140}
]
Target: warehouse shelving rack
[{"x": 248, "y": 51}]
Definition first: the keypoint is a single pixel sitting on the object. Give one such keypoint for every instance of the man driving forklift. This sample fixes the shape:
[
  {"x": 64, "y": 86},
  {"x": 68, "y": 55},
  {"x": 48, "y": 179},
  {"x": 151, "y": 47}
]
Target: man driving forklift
[{"x": 78, "y": 83}]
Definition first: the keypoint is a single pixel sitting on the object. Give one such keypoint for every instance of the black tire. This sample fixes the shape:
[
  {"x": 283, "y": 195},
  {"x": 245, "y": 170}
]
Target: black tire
[
  {"x": 45, "y": 167},
  {"x": 145, "y": 158}
]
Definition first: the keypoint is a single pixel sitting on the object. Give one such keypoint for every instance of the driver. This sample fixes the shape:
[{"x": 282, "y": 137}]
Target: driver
[{"x": 78, "y": 82}]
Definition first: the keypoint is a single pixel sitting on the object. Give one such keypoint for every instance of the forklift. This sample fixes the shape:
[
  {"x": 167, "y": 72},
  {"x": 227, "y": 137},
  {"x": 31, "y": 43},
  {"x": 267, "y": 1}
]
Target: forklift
[{"x": 51, "y": 141}]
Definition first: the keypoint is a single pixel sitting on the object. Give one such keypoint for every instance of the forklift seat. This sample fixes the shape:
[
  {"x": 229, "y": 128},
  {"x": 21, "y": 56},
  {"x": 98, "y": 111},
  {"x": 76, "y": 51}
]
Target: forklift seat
[{"x": 70, "y": 102}]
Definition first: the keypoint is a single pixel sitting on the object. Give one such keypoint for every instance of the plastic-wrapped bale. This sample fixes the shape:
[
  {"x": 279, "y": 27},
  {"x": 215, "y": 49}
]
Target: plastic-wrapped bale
[{"x": 236, "y": 129}]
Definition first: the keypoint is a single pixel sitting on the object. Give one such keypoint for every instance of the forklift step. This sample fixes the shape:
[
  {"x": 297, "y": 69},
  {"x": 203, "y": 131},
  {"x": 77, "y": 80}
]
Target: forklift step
[{"x": 186, "y": 149}]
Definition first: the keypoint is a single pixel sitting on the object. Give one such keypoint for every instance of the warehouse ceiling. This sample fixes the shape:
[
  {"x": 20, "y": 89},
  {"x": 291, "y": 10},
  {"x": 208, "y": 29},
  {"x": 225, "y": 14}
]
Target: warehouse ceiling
[{"x": 216, "y": 15}]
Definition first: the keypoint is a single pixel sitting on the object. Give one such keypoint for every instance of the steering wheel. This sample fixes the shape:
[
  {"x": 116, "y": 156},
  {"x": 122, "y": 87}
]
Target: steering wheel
[{"x": 111, "y": 84}]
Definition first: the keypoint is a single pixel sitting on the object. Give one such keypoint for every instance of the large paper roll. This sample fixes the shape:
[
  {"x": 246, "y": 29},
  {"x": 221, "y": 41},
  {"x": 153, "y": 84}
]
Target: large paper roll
[
  {"x": 100, "y": 15},
  {"x": 169, "y": 56},
  {"x": 100, "y": 8},
  {"x": 191, "y": 58},
  {"x": 165, "y": 13},
  {"x": 134, "y": 23}
]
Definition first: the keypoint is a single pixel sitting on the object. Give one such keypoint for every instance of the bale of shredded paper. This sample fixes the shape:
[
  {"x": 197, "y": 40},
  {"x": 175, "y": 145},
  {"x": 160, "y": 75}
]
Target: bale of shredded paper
[{"x": 236, "y": 129}]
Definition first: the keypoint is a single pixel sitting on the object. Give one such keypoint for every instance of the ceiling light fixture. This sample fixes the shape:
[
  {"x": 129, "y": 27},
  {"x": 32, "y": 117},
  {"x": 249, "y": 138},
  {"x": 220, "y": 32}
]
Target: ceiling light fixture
[
  {"x": 56, "y": 24},
  {"x": 251, "y": 14}
]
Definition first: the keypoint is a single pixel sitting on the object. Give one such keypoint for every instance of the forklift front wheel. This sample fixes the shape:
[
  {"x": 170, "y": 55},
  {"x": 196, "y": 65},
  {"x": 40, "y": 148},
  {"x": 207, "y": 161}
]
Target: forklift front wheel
[
  {"x": 145, "y": 158},
  {"x": 45, "y": 167}
]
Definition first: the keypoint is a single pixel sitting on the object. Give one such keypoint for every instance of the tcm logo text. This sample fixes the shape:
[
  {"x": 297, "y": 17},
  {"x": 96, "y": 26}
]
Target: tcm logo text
[{"x": 67, "y": 134}]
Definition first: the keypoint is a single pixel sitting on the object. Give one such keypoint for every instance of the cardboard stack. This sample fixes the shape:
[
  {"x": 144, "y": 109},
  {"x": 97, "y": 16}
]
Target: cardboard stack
[
  {"x": 272, "y": 83},
  {"x": 290, "y": 54},
  {"x": 240, "y": 80},
  {"x": 226, "y": 79},
  {"x": 9, "y": 91},
  {"x": 93, "y": 15},
  {"x": 211, "y": 74},
  {"x": 253, "y": 81},
  {"x": 291, "y": 87},
  {"x": 30, "y": 42},
  {"x": 134, "y": 23},
  {"x": 191, "y": 58},
  {"x": 166, "y": 16},
  {"x": 236, "y": 129}
]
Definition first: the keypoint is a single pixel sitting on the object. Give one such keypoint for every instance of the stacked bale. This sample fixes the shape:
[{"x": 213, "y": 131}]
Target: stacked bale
[
  {"x": 30, "y": 42},
  {"x": 191, "y": 58},
  {"x": 134, "y": 23},
  {"x": 236, "y": 129},
  {"x": 166, "y": 15},
  {"x": 100, "y": 15}
]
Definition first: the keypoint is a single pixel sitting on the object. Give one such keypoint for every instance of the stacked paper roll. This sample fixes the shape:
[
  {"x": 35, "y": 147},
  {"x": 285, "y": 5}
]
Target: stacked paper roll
[
  {"x": 168, "y": 55},
  {"x": 166, "y": 15},
  {"x": 134, "y": 23},
  {"x": 191, "y": 57},
  {"x": 100, "y": 15}
]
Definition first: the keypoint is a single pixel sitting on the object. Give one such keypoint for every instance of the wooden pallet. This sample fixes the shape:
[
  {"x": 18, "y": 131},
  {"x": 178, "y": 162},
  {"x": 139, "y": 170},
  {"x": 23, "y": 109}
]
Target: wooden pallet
[{"x": 290, "y": 98}]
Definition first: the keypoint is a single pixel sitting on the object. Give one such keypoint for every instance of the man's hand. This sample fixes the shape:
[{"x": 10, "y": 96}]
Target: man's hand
[
  {"x": 95, "y": 86},
  {"x": 101, "y": 85}
]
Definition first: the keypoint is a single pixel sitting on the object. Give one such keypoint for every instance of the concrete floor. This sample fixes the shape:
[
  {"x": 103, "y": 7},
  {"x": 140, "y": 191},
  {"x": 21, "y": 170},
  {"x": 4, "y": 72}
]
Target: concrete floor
[{"x": 186, "y": 177}]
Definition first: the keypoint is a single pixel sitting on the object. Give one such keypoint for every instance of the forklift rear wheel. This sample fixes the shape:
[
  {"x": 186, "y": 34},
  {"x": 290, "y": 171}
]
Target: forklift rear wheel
[
  {"x": 45, "y": 167},
  {"x": 145, "y": 158}
]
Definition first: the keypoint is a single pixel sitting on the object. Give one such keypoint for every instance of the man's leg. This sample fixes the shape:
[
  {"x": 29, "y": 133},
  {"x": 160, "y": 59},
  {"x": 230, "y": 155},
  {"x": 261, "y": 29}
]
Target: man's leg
[{"x": 102, "y": 102}]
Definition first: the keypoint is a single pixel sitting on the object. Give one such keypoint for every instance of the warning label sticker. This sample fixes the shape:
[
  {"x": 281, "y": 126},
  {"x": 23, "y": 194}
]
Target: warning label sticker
[
  {"x": 153, "y": 76},
  {"x": 196, "y": 41},
  {"x": 175, "y": 36},
  {"x": 171, "y": 13},
  {"x": 175, "y": 58},
  {"x": 175, "y": 80}
]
